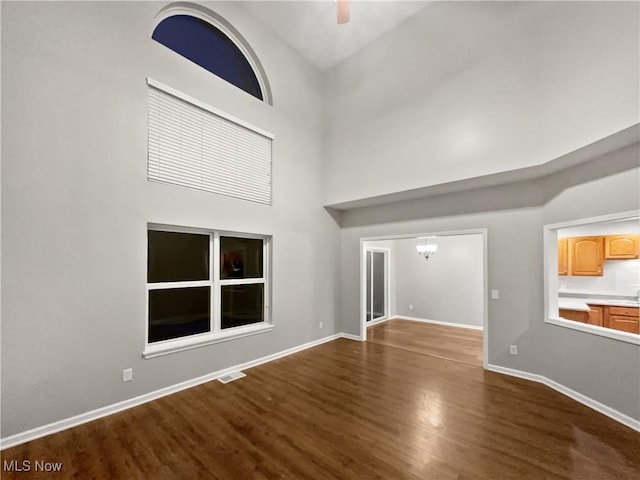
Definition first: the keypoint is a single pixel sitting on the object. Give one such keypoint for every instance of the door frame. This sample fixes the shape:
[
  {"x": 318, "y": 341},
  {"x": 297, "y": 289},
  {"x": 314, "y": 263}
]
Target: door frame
[
  {"x": 387, "y": 284},
  {"x": 485, "y": 275}
]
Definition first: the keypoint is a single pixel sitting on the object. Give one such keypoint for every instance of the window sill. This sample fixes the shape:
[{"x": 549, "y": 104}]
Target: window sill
[
  {"x": 174, "y": 346},
  {"x": 595, "y": 330}
]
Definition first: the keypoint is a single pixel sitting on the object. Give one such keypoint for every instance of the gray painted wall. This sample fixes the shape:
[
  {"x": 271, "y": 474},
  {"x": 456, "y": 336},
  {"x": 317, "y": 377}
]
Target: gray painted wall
[
  {"x": 464, "y": 89},
  {"x": 76, "y": 202},
  {"x": 448, "y": 287},
  {"x": 506, "y": 229},
  {"x": 601, "y": 368}
]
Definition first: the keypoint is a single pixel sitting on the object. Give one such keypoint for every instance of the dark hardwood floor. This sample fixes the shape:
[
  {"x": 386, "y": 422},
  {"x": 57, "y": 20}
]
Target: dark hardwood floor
[
  {"x": 349, "y": 410},
  {"x": 451, "y": 343}
]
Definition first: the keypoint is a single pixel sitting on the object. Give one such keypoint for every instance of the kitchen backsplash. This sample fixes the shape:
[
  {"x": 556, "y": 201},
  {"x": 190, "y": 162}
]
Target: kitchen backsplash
[{"x": 620, "y": 276}]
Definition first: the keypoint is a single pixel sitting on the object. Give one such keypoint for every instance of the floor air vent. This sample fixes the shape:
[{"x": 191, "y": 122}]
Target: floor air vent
[{"x": 231, "y": 377}]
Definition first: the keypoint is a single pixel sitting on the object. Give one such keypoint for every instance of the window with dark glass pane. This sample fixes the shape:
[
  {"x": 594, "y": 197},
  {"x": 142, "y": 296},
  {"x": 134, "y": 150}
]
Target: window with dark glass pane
[
  {"x": 177, "y": 257},
  {"x": 208, "y": 47},
  {"x": 240, "y": 258},
  {"x": 178, "y": 312},
  {"x": 242, "y": 304}
]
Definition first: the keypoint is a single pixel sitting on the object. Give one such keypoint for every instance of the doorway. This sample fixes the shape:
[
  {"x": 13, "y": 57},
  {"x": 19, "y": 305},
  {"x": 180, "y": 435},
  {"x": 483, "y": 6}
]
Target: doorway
[
  {"x": 436, "y": 278},
  {"x": 377, "y": 285}
]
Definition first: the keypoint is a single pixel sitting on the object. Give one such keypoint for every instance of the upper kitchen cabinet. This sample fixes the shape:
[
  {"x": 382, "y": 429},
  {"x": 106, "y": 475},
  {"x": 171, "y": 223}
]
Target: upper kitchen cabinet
[
  {"x": 563, "y": 259},
  {"x": 586, "y": 256},
  {"x": 621, "y": 247}
]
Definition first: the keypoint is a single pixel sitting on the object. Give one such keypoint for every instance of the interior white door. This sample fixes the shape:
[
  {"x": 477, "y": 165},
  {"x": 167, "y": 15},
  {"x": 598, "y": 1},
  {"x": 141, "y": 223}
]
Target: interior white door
[{"x": 377, "y": 271}]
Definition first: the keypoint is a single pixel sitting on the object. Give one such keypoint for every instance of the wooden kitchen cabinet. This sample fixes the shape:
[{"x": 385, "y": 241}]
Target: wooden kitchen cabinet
[
  {"x": 626, "y": 319},
  {"x": 596, "y": 315},
  {"x": 586, "y": 256},
  {"x": 575, "y": 315},
  {"x": 563, "y": 259},
  {"x": 621, "y": 247}
]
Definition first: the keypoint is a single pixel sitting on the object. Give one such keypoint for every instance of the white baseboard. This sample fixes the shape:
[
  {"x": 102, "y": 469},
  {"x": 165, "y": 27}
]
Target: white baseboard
[
  {"x": 349, "y": 336},
  {"x": 438, "y": 322},
  {"x": 67, "y": 423},
  {"x": 577, "y": 396}
]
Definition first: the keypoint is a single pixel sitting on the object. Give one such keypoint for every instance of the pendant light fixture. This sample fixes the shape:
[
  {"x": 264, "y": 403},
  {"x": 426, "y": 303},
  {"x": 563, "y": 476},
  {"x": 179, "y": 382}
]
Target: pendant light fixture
[{"x": 427, "y": 249}]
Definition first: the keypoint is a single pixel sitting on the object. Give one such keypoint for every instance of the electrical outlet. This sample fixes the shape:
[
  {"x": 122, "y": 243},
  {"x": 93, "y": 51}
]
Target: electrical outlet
[
  {"x": 410, "y": 307},
  {"x": 127, "y": 374},
  {"x": 495, "y": 294},
  {"x": 321, "y": 324},
  {"x": 513, "y": 349}
]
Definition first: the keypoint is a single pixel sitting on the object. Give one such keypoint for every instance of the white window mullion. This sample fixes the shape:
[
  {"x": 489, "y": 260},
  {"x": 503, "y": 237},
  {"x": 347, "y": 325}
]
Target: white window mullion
[
  {"x": 242, "y": 281},
  {"x": 216, "y": 291},
  {"x": 167, "y": 285}
]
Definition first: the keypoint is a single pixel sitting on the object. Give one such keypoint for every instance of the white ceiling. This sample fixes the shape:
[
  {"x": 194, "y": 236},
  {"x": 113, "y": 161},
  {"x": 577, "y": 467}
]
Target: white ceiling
[{"x": 310, "y": 27}]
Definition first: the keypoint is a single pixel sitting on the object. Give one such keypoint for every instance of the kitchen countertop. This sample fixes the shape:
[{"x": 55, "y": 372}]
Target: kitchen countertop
[
  {"x": 582, "y": 303},
  {"x": 573, "y": 304},
  {"x": 612, "y": 302},
  {"x": 592, "y": 293}
]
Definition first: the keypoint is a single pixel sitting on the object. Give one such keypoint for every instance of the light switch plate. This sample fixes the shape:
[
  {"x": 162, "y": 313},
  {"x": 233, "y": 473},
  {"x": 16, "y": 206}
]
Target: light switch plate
[{"x": 495, "y": 294}]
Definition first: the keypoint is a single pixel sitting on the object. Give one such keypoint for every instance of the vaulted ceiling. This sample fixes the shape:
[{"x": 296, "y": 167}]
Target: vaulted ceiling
[
  {"x": 434, "y": 93},
  {"x": 310, "y": 27}
]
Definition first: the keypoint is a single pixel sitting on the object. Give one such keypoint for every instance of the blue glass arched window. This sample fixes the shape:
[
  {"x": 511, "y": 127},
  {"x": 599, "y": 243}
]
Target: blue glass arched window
[{"x": 207, "y": 46}]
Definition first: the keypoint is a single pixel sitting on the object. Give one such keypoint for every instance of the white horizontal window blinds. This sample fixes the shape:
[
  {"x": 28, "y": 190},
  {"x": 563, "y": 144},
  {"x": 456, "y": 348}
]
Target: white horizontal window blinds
[{"x": 194, "y": 145}]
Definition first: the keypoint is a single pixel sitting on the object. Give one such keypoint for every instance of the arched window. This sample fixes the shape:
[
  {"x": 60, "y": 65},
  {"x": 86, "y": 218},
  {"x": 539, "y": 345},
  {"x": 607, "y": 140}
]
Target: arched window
[{"x": 212, "y": 48}]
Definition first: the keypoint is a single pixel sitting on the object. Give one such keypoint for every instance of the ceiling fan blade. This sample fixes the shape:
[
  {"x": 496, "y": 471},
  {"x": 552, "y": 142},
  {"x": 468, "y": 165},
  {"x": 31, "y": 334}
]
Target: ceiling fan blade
[{"x": 343, "y": 11}]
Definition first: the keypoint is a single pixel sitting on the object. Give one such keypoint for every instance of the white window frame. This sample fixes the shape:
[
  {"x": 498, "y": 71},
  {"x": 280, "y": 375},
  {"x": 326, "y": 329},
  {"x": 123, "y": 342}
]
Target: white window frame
[
  {"x": 220, "y": 23},
  {"x": 216, "y": 334},
  {"x": 552, "y": 316}
]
